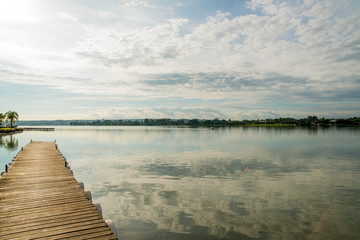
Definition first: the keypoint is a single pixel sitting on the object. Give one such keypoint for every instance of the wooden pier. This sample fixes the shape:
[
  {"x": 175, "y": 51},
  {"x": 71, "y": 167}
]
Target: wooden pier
[
  {"x": 40, "y": 199},
  {"x": 38, "y": 129}
]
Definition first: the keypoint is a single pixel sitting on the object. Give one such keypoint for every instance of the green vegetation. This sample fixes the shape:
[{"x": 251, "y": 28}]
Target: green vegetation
[
  {"x": 11, "y": 117},
  {"x": 279, "y": 122}
]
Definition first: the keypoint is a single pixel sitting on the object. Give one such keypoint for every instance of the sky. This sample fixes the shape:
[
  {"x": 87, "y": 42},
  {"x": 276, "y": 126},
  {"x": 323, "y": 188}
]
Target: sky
[{"x": 206, "y": 59}]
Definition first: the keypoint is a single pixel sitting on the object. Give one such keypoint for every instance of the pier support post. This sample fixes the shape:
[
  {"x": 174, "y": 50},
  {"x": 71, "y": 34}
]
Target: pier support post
[
  {"x": 112, "y": 227},
  {"x": 98, "y": 208},
  {"x": 88, "y": 195}
]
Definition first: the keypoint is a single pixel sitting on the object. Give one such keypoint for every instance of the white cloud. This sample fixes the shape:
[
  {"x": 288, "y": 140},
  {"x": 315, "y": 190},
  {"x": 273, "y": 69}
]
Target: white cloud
[
  {"x": 291, "y": 42},
  {"x": 68, "y": 17},
  {"x": 135, "y": 3},
  {"x": 265, "y": 5},
  {"x": 157, "y": 112},
  {"x": 207, "y": 113},
  {"x": 147, "y": 46}
]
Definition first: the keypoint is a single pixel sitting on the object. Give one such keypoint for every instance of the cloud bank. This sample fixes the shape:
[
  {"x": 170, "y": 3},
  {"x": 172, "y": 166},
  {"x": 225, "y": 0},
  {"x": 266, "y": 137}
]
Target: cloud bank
[{"x": 262, "y": 59}]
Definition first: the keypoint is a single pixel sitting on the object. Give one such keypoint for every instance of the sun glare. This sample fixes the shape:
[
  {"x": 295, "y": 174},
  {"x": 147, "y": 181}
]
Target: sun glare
[{"x": 13, "y": 11}]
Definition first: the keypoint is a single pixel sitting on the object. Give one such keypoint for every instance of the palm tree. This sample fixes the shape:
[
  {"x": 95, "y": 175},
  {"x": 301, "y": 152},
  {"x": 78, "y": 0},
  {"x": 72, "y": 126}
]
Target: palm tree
[
  {"x": 12, "y": 116},
  {"x": 2, "y": 118}
]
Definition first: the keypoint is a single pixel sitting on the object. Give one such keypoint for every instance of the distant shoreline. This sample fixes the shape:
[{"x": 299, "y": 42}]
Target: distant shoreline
[{"x": 279, "y": 122}]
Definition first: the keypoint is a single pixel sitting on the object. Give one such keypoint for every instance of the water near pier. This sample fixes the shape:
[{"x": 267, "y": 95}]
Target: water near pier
[{"x": 237, "y": 183}]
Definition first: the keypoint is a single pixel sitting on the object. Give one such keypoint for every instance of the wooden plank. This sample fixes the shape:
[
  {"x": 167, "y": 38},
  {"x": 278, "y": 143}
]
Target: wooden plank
[
  {"x": 20, "y": 223},
  {"x": 51, "y": 232},
  {"x": 45, "y": 212},
  {"x": 82, "y": 234},
  {"x": 40, "y": 199},
  {"x": 47, "y": 224}
]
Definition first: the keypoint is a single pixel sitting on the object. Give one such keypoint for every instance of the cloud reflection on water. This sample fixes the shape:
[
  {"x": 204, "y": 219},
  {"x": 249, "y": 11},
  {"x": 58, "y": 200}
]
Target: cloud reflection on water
[
  {"x": 192, "y": 184},
  {"x": 174, "y": 183}
]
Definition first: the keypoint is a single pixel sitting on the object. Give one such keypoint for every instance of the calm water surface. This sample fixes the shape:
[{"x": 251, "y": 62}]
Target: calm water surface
[{"x": 230, "y": 183}]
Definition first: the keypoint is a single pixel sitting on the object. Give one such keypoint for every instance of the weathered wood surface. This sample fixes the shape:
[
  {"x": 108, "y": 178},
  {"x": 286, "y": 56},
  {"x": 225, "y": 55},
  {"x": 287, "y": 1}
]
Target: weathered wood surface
[{"x": 40, "y": 199}]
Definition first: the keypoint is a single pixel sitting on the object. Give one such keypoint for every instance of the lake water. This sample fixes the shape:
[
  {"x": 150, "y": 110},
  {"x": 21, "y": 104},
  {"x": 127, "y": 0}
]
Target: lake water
[{"x": 227, "y": 183}]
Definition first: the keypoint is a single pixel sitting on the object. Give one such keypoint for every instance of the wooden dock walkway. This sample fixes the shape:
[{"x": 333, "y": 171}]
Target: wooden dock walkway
[
  {"x": 37, "y": 129},
  {"x": 40, "y": 199}
]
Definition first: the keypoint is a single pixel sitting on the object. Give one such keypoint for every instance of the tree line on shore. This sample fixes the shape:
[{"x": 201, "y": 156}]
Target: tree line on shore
[
  {"x": 309, "y": 121},
  {"x": 10, "y": 116}
]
